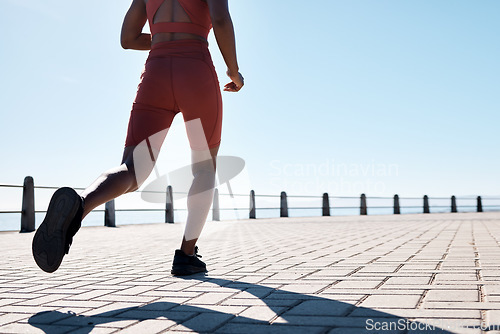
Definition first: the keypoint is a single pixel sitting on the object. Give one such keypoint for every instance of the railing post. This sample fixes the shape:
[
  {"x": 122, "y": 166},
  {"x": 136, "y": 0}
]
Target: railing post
[
  {"x": 326, "y": 205},
  {"x": 215, "y": 206},
  {"x": 283, "y": 205},
  {"x": 397, "y": 208},
  {"x": 453, "y": 204},
  {"x": 169, "y": 206},
  {"x": 479, "y": 204},
  {"x": 252, "y": 205},
  {"x": 28, "y": 208},
  {"x": 363, "y": 209},
  {"x": 109, "y": 214},
  {"x": 426, "y": 204}
]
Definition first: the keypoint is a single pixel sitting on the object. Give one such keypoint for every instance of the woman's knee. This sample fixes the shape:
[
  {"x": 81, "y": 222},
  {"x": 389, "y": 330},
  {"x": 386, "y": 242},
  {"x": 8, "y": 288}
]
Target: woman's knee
[{"x": 133, "y": 181}]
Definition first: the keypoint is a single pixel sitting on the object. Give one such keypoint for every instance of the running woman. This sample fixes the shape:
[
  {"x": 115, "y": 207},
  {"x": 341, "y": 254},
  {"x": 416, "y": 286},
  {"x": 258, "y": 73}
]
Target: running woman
[{"x": 179, "y": 76}]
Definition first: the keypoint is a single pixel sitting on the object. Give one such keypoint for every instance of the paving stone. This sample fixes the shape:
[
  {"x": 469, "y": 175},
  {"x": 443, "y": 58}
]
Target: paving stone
[
  {"x": 341, "y": 297},
  {"x": 205, "y": 322},
  {"x": 209, "y": 298},
  {"x": 259, "y": 314},
  {"x": 493, "y": 290},
  {"x": 136, "y": 290},
  {"x": 391, "y": 301},
  {"x": 259, "y": 302},
  {"x": 254, "y": 293},
  {"x": 172, "y": 294},
  {"x": 88, "y": 295},
  {"x": 357, "y": 284},
  {"x": 321, "y": 307},
  {"x": 378, "y": 269},
  {"x": 302, "y": 288},
  {"x": 12, "y": 317},
  {"x": 407, "y": 280},
  {"x": 456, "y": 277},
  {"x": 453, "y": 295},
  {"x": 111, "y": 309}
]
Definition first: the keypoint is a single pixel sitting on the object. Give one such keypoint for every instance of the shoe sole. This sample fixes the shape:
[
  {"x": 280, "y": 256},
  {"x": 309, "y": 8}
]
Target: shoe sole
[
  {"x": 186, "y": 270},
  {"x": 50, "y": 238}
]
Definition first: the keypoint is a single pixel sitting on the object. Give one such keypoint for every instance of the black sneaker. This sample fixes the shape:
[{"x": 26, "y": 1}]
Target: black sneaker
[
  {"x": 54, "y": 236},
  {"x": 187, "y": 265}
]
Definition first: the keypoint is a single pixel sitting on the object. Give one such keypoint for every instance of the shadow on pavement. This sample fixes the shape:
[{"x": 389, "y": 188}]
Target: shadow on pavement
[{"x": 292, "y": 312}]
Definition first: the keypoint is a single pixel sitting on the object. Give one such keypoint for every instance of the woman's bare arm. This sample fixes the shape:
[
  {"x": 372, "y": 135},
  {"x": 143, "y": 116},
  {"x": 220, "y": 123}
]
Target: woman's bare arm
[
  {"x": 224, "y": 34},
  {"x": 135, "y": 19}
]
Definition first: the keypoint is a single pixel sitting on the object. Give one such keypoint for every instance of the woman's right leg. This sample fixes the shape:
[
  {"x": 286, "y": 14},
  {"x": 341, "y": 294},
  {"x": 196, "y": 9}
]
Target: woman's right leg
[
  {"x": 200, "y": 196},
  {"x": 199, "y": 201}
]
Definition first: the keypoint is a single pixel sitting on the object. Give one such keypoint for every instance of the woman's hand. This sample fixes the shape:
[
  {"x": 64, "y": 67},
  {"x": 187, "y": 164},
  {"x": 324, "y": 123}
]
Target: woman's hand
[{"x": 237, "y": 82}]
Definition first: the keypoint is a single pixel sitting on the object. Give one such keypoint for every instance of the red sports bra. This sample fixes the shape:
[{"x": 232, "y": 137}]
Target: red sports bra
[{"x": 197, "y": 10}]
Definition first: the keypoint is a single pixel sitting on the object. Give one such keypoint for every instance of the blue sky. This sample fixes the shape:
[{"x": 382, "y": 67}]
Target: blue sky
[{"x": 381, "y": 97}]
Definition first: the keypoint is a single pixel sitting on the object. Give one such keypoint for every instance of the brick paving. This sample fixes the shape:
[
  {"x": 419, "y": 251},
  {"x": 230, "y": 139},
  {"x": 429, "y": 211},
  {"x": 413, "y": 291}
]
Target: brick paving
[{"x": 363, "y": 274}]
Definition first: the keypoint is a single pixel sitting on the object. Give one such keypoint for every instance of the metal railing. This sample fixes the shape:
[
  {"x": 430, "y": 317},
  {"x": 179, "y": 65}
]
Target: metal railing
[{"x": 28, "y": 208}]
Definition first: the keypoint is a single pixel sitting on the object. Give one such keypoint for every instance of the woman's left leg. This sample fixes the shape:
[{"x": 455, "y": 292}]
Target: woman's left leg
[
  {"x": 67, "y": 209},
  {"x": 111, "y": 184}
]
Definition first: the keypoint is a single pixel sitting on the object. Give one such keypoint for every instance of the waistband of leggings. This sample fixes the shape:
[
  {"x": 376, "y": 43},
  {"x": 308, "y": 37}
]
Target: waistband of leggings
[{"x": 185, "y": 43}]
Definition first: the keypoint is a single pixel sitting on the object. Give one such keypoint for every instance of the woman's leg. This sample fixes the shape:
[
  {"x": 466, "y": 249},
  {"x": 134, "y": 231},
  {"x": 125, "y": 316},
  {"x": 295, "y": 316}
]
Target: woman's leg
[
  {"x": 137, "y": 163},
  {"x": 112, "y": 183},
  {"x": 200, "y": 196}
]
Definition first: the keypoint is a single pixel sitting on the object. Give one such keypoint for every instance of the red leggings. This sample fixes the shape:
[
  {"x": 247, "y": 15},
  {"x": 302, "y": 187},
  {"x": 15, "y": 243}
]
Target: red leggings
[{"x": 179, "y": 76}]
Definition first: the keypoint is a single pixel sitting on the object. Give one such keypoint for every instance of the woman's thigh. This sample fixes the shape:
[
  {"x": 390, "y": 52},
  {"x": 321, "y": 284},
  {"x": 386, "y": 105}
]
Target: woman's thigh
[{"x": 198, "y": 96}]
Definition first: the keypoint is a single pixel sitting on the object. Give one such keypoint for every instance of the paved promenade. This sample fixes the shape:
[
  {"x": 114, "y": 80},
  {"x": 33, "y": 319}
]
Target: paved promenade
[{"x": 372, "y": 274}]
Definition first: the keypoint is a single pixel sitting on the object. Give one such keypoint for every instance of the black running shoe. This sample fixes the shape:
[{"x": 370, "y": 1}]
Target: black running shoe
[
  {"x": 54, "y": 236},
  {"x": 187, "y": 265}
]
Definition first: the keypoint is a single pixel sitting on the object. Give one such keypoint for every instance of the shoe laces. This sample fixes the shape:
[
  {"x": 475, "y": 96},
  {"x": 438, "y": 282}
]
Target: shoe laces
[{"x": 196, "y": 252}]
